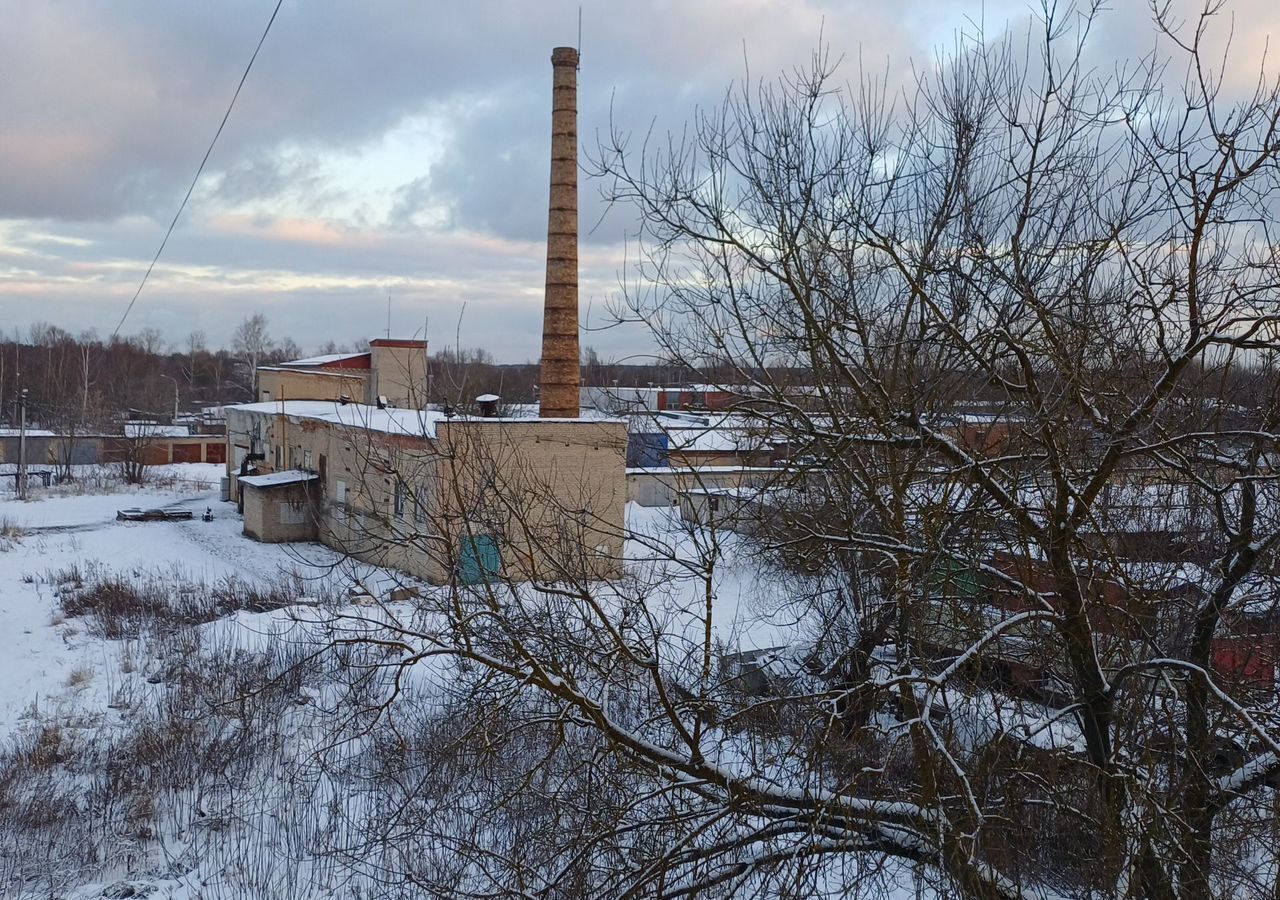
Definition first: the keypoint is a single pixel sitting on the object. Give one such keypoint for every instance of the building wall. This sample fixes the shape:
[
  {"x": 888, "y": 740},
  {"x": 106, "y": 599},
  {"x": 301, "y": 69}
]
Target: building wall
[
  {"x": 277, "y": 514},
  {"x": 362, "y": 472},
  {"x": 510, "y": 479},
  {"x": 312, "y": 384},
  {"x": 399, "y": 372},
  {"x": 159, "y": 451},
  {"x": 90, "y": 449},
  {"x": 696, "y": 399},
  {"x": 695, "y": 458},
  {"x": 553, "y": 493},
  {"x": 39, "y": 449},
  {"x": 662, "y": 486}
]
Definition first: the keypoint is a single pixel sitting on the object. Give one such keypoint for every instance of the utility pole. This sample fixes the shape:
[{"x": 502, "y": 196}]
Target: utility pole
[
  {"x": 21, "y": 477},
  {"x": 175, "y": 395}
]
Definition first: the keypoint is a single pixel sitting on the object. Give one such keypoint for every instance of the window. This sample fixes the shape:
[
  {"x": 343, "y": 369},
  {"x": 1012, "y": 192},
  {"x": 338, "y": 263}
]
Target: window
[
  {"x": 398, "y": 502},
  {"x": 307, "y": 460},
  {"x": 420, "y": 505},
  {"x": 340, "y": 498}
]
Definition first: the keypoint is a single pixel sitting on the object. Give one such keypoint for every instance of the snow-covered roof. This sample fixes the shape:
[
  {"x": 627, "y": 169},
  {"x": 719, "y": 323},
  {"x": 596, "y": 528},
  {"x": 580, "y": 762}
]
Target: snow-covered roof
[
  {"x": 487, "y": 398},
  {"x": 736, "y": 491},
  {"x": 325, "y": 359},
  {"x": 409, "y": 422},
  {"x": 420, "y": 422},
  {"x": 277, "y": 479},
  {"x": 31, "y": 432},
  {"x": 714, "y": 440}
]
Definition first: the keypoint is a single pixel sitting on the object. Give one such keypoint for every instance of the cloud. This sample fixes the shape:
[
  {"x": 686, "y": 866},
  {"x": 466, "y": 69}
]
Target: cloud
[{"x": 381, "y": 148}]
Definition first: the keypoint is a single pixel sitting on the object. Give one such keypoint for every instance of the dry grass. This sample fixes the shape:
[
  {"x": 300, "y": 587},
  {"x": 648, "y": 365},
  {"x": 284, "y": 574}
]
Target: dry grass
[
  {"x": 11, "y": 533},
  {"x": 79, "y": 677},
  {"x": 119, "y": 605}
]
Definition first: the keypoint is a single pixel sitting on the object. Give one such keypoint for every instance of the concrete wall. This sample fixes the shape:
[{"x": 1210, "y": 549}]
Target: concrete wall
[
  {"x": 283, "y": 513},
  {"x": 313, "y": 384},
  {"x": 399, "y": 372},
  {"x": 552, "y": 494},
  {"x": 662, "y": 487}
]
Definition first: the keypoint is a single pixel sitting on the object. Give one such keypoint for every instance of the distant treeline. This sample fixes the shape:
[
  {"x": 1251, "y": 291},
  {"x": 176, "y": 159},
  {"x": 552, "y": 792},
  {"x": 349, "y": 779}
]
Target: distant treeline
[{"x": 85, "y": 382}]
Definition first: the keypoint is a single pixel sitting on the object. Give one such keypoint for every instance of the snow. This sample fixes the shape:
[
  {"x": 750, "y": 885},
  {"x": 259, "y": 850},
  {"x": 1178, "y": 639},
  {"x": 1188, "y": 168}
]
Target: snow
[
  {"x": 276, "y": 479},
  {"x": 53, "y": 669},
  {"x": 41, "y": 651},
  {"x": 408, "y": 422},
  {"x": 420, "y": 422},
  {"x": 325, "y": 359},
  {"x": 724, "y": 492},
  {"x": 748, "y": 612}
]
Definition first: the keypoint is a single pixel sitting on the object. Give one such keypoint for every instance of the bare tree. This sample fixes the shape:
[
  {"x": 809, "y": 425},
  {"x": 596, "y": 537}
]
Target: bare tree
[
  {"x": 1017, "y": 332},
  {"x": 1034, "y": 290},
  {"x": 251, "y": 343},
  {"x": 149, "y": 341},
  {"x": 197, "y": 347},
  {"x": 137, "y": 450}
]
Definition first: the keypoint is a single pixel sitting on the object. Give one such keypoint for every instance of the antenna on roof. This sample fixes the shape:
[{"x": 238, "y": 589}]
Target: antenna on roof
[
  {"x": 579, "y": 47},
  {"x": 388, "y": 317}
]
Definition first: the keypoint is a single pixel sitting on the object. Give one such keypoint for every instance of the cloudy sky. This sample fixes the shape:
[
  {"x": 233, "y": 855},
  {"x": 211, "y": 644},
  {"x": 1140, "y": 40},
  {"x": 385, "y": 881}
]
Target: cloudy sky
[{"x": 378, "y": 149}]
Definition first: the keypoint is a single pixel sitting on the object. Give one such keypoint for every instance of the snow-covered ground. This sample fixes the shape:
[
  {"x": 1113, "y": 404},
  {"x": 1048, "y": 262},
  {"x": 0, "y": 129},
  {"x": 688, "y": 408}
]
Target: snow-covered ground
[
  {"x": 66, "y": 688},
  {"x": 43, "y": 649},
  {"x": 57, "y": 676},
  {"x": 60, "y": 531}
]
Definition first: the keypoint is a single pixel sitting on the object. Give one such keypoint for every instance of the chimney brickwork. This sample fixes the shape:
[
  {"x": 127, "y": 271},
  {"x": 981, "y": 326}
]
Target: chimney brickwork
[{"x": 560, "y": 372}]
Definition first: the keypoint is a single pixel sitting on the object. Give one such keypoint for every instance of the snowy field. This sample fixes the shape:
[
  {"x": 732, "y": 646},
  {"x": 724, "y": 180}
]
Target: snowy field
[
  {"x": 57, "y": 531},
  {"x": 61, "y": 530},
  {"x": 76, "y": 698},
  {"x": 73, "y": 698}
]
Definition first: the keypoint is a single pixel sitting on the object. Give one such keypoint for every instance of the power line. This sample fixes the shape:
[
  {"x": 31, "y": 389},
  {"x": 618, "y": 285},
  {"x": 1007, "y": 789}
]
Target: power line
[{"x": 207, "y": 152}]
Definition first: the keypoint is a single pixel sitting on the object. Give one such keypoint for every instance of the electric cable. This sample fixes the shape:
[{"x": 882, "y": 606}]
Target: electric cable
[{"x": 183, "y": 205}]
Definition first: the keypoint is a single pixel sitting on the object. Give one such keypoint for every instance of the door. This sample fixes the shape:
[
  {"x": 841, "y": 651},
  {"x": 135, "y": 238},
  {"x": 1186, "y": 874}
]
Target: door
[{"x": 479, "y": 560}]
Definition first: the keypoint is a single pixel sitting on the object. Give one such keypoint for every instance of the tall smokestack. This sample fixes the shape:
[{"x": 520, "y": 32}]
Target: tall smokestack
[{"x": 559, "y": 389}]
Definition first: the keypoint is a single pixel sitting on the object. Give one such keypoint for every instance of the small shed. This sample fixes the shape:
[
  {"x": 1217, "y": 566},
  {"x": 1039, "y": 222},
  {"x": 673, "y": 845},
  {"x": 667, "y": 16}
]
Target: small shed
[
  {"x": 731, "y": 508},
  {"x": 281, "y": 506}
]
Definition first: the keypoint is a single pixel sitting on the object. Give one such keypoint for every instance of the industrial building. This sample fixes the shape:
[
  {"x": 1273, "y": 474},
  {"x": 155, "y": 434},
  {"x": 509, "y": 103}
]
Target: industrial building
[
  {"x": 433, "y": 495},
  {"x": 343, "y": 449},
  {"x": 391, "y": 371}
]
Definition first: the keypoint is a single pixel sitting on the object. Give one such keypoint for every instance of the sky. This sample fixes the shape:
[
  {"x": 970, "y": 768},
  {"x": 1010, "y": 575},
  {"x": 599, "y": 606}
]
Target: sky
[{"x": 391, "y": 149}]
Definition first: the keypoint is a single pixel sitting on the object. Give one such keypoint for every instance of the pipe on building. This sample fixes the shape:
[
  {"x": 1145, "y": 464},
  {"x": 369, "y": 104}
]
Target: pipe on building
[{"x": 560, "y": 372}]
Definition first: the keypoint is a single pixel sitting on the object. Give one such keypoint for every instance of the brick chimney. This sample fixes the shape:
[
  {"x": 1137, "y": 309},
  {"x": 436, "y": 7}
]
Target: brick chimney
[{"x": 560, "y": 373}]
